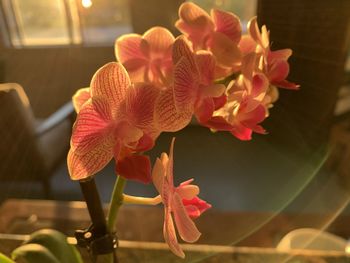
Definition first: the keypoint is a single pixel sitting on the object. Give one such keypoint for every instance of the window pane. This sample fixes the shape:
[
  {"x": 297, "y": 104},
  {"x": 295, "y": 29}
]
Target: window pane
[
  {"x": 104, "y": 20},
  {"x": 41, "y": 22}
]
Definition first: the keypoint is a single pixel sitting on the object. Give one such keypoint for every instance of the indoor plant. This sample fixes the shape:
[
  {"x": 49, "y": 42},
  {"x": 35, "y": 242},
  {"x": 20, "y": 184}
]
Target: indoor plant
[{"x": 226, "y": 80}]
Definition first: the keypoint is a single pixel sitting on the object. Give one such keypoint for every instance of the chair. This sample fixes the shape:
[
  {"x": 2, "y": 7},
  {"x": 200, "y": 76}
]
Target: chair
[{"x": 31, "y": 149}]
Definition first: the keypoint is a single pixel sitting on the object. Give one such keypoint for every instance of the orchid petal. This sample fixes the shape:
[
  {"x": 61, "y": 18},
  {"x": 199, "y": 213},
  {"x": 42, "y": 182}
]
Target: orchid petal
[
  {"x": 248, "y": 65},
  {"x": 247, "y": 44},
  {"x": 92, "y": 127},
  {"x": 131, "y": 46},
  {"x": 282, "y": 54},
  {"x": 200, "y": 205},
  {"x": 219, "y": 101},
  {"x": 242, "y": 133},
  {"x": 250, "y": 119},
  {"x": 170, "y": 235},
  {"x": 135, "y": 167},
  {"x": 279, "y": 70},
  {"x": 145, "y": 143},
  {"x": 225, "y": 51},
  {"x": 253, "y": 30},
  {"x": 158, "y": 175},
  {"x": 260, "y": 84},
  {"x": 167, "y": 117},
  {"x": 286, "y": 85},
  {"x": 228, "y": 24},
  {"x": 181, "y": 48},
  {"x": 214, "y": 90},
  {"x": 204, "y": 110},
  {"x": 140, "y": 101},
  {"x": 206, "y": 66},
  {"x": 80, "y": 97},
  {"x": 187, "y": 191},
  {"x": 111, "y": 82},
  {"x": 159, "y": 39},
  {"x": 185, "y": 226},
  {"x": 170, "y": 164},
  {"x": 192, "y": 211},
  {"x": 218, "y": 123},
  {"x": 197, "y": 22},
  {"x": 82, "y": 166},
  {"x": 185, "y": 88}
]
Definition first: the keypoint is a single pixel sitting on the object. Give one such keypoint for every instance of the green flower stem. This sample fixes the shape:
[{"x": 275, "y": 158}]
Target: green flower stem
[
  {"x": 115, "y": 203},
  {"x": 136, "y": 200}
]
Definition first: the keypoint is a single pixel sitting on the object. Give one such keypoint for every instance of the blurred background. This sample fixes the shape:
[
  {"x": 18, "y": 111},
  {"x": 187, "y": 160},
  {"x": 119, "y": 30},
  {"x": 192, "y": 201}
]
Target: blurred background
[{"x": 52, "y": 48}]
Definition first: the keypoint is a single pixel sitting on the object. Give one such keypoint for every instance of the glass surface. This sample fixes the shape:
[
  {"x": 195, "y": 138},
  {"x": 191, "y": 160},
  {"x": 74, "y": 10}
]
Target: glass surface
[
  {"x": 41, "y": 22},
  {"x": 102, "y": 21}
]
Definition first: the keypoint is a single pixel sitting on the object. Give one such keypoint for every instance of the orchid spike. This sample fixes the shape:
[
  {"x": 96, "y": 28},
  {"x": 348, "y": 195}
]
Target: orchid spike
[{"x": 180, "y": 203}]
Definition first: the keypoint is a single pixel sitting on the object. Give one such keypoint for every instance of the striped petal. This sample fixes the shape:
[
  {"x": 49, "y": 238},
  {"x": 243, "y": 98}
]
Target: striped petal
[
  {"x": 140, "y": 103},
  {"x": 93, "y": 126},
  {"x": 181, "y": 48},
  {"x": 80, "y": 97},
  {"x": 167, "y": 117},
  {"x": 131, "y": 47},
  {"x": 159, "y": 40},
  {"x": 228, "y": 24},
  {"x": 206, "y": 66},
  {"x": 185, "y": 86},
  {"x": 111, "y": 83},
  {"x": 82, "y": 166}
]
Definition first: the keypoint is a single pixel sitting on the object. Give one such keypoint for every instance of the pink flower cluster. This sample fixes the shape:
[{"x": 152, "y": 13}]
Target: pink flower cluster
[{"x": 158, "y": 84}]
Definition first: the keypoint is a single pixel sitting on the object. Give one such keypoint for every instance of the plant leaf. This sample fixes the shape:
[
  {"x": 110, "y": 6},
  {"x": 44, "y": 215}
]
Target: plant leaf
[
  {"x": 57, "y": 244},
  {"x": 34, "y": 253},
  {"x": 5, "y": 259}
]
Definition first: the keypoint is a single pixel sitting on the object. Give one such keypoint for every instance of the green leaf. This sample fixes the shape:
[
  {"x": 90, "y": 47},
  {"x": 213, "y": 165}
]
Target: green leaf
[
  {"x": 5, "y": 259},
  {"x": 57, "y": 244},
  {"x": 34, "y": 253}
]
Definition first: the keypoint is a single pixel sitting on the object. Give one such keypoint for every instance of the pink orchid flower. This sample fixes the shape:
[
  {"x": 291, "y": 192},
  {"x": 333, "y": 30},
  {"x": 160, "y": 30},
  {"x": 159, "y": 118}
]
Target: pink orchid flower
[
  {"x": 116, "y": 121},
  {"x": 219, "y": 33},
  {"x": 244, "y": 110},
  {"x": 180, "y": 203},
  {"x": 274, "y": 63},
  {"x": 147, "y": 58},
  {"x": 194, "y": 87}
]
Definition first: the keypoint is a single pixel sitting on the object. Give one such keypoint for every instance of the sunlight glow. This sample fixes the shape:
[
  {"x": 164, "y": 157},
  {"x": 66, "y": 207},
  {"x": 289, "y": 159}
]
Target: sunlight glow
[{"x": 86, "y": 3}]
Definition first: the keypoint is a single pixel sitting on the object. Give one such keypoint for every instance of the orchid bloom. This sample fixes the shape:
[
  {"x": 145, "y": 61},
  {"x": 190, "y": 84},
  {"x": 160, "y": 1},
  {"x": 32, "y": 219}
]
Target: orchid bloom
[
  {"x": 180, "y": 203},
  {"x": 273, "y": 63},
  {"x": 116, "y": 121},
  {"x": 219, "y": 33},
  {"x": 194, "y": 87},
  {"x": 243, "y": 112},
  {"x": 147, "y": 58}
]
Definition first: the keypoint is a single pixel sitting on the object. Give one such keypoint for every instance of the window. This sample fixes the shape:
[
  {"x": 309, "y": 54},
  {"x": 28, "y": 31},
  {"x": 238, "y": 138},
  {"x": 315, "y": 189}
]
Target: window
[{"x": 63, "y": 22}]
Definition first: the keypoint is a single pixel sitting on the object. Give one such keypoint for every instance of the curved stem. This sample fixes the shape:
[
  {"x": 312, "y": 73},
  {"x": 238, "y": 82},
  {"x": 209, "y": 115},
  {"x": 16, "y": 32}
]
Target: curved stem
[
  {"x": 136, "y": 200},
  {"x": 115, "y": 203}
]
